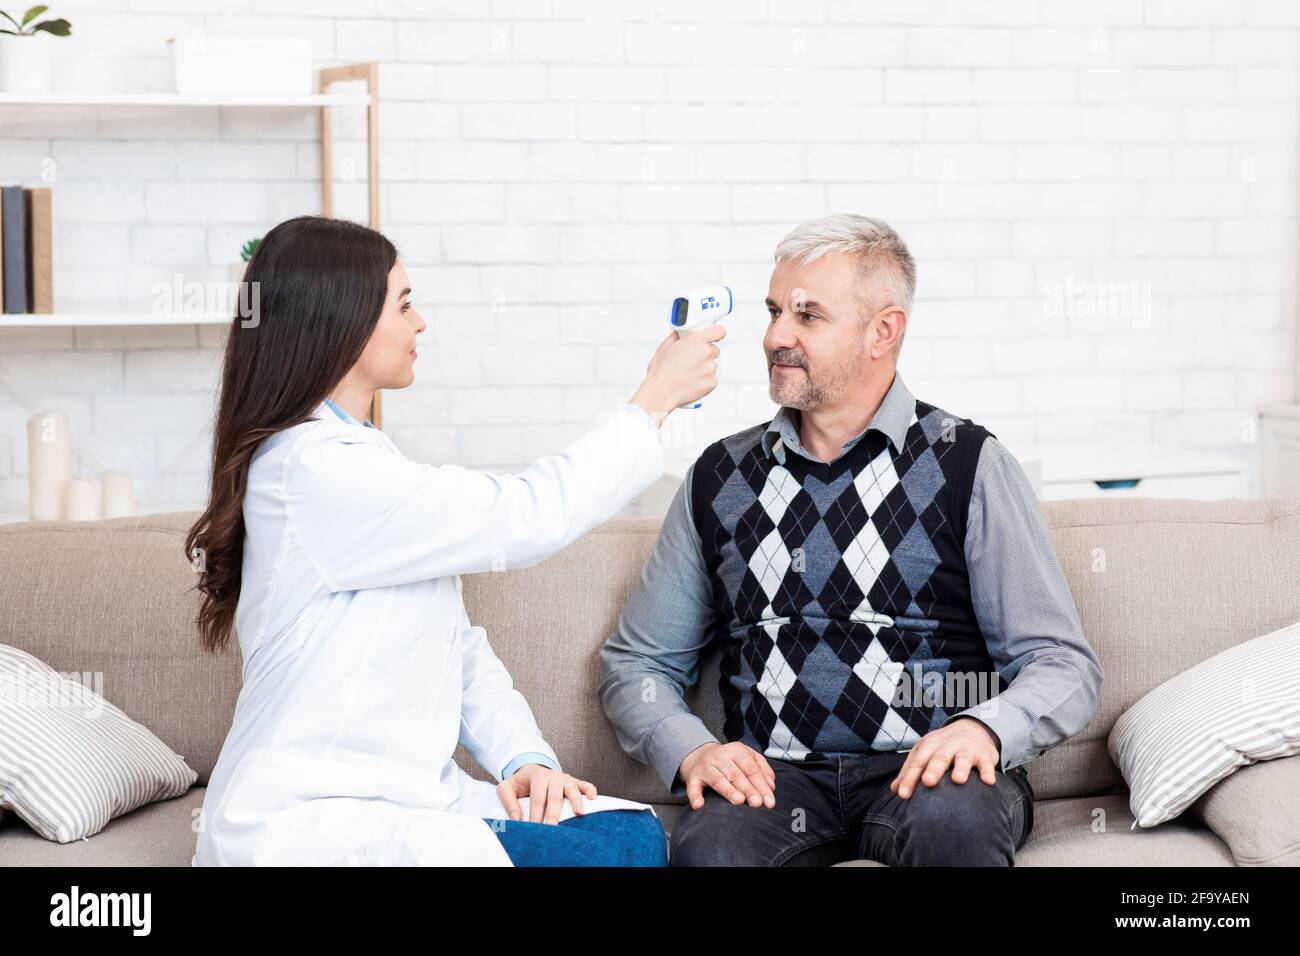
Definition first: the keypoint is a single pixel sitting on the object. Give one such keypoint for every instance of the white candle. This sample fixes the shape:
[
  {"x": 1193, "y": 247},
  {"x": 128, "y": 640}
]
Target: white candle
[
  {"x": 118, "y": 500},
  {"x": 49, "y": 464},
  {"x": 84, "y": 500}
]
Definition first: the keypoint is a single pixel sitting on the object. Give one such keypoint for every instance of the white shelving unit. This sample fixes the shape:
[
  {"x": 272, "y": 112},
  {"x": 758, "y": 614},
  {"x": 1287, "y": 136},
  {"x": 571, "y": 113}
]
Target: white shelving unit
[{"x": 367, "y": 73}]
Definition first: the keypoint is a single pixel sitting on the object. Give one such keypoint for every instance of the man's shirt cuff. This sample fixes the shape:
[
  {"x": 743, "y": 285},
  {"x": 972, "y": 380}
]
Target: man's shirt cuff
[
  {"x": 672, "y": 739},
  {"x": 1008, "y": 722}
]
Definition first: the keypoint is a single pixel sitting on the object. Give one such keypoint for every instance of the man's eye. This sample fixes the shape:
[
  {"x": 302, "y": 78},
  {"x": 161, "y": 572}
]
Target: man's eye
[{"x": 809, "y": 315}]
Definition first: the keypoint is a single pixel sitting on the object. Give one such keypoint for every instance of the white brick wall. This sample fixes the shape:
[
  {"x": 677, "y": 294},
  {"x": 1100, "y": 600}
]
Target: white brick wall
[{"x": 554, "y": 170}]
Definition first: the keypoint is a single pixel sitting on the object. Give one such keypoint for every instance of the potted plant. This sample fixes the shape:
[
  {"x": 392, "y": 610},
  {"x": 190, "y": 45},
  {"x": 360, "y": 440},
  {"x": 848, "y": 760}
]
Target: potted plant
[
  {"x": 25, "y": 60},
  {"x": 245, "y": 254}
]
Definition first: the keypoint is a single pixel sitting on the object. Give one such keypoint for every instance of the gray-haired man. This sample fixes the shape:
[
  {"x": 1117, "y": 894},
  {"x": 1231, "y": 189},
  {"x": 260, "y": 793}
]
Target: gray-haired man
[{"x": 886, "y": 599}]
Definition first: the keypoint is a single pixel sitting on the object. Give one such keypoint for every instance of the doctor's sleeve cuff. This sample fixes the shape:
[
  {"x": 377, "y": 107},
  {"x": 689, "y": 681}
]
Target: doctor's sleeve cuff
[
  {"x": 527, "y": 758},
  {"x": 671, "y": 741},
  {"x": 642, "y": 414}
]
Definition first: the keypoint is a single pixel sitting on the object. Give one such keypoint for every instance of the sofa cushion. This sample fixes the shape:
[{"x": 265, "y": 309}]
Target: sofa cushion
[
  {"x": 1256, "y": 812},
  {"x": 117, "y": 597},
  {"x": 1186, "y": 735},
  {"x": 69, "y": 760},
  {"x": 158, "y": 834}
]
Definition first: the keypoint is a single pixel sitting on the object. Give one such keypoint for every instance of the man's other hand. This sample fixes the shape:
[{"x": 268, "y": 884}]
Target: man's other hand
[
  {"x": 737, "y": 772},
  {"x": 963, "y": 744}
]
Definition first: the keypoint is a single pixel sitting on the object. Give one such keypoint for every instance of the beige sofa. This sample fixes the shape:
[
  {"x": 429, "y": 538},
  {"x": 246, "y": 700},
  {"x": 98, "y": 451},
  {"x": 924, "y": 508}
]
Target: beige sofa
[{"x": 1160, "y": 585}]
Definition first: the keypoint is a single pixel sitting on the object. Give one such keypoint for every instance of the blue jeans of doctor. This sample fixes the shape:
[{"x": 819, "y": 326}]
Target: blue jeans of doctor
[
  {"x": 605, "y": 838},
  {"x": 841, "y": 808}
]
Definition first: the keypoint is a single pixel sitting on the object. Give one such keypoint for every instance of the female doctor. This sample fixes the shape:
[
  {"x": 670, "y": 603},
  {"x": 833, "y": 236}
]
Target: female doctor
[{"x": 337, "y": 562}]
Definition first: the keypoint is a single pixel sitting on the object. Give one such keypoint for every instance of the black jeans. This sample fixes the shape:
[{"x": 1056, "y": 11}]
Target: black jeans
[{"x": 841, "y": 808}]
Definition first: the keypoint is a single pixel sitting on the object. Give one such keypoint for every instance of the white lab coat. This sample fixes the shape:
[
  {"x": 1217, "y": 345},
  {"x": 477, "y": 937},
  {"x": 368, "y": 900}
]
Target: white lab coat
[{"x": 361, "y": 668}]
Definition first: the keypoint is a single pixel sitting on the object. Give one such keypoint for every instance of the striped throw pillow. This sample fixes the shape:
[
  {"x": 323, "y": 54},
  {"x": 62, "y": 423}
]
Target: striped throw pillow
[
  {"x": 69, "y": 760},
  {"x": 1240, "y": 706}
]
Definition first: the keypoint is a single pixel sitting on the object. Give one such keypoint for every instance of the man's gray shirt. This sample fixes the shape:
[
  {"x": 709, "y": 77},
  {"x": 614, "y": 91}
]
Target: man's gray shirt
[{"x": 1021, "y": 600}]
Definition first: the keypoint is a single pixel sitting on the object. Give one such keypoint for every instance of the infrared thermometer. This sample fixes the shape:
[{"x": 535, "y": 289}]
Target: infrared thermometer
[{"x": 697, "y": 308}]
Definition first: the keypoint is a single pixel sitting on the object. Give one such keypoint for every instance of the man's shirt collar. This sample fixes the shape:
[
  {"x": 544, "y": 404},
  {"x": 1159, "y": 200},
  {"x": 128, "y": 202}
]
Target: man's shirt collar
[{"x": 892, "y": 420}]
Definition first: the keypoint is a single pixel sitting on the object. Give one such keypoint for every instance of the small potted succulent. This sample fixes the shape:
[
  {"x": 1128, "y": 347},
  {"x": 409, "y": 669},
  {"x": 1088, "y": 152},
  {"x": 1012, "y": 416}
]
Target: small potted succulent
[
  {"x": 25, "y": 60},
  {"x": 245, "y": 254}
]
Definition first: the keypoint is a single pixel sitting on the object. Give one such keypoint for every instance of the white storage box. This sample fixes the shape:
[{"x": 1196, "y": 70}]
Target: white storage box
[
  {"x": 204, "y": 63},
  {"x": 1134, "y": 470}
]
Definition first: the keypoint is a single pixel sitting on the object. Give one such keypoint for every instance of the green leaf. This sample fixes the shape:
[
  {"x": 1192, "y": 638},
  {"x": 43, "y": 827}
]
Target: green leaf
[
  {"x": 60, "y": 28},
  {"x": 16, "y": 24},
  {"x": 11, "y": 33},
  {"x": 32, "y": 14}
]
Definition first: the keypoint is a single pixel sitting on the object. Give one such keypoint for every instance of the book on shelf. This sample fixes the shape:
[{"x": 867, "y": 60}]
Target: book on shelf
[
  {"x": 26, "y": 250},
  {"x": 13, "y": 236},
  {"x": 40, "y": 249}
]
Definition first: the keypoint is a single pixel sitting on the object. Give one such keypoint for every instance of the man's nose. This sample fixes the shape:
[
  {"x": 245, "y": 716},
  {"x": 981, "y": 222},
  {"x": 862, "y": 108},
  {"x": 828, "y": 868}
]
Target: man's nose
[{"x": 780, "y": 335}]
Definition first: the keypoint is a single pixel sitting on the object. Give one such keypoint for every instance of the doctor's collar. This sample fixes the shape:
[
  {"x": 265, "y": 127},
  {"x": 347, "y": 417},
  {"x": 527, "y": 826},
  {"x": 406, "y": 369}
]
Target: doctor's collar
[{"x": 345, "y": 416}]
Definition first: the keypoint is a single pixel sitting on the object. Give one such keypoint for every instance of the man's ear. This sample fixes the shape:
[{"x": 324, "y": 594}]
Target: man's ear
[{"x": 888, "y": 326}]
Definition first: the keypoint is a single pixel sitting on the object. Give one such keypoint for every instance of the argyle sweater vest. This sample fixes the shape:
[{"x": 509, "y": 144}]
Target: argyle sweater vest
[{"x": 842, "y": 601}]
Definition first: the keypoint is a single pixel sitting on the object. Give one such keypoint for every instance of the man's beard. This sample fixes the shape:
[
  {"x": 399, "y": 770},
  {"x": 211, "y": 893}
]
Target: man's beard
[{"x": 815, "y": 388}]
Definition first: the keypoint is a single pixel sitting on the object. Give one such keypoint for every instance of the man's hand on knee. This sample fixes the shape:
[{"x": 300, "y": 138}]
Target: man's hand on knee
[
  {"x": 737, "y": 772},
  {"x": 962, "y": 744}
]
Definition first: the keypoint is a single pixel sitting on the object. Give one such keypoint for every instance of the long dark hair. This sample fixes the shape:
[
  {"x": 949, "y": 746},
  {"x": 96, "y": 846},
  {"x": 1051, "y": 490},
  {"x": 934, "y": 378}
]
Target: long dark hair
[{"x": 320, "y": 287}]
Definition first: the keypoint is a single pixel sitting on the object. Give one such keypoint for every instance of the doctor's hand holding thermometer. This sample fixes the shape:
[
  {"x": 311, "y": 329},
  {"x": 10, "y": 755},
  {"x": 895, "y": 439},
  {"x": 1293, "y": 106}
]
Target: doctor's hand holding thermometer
[
  {"x": 684, "y": 368},
  {"x": 700, "y": 309}
]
